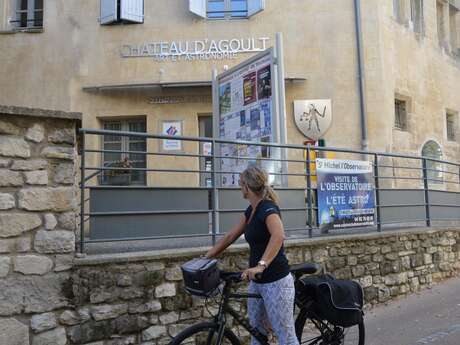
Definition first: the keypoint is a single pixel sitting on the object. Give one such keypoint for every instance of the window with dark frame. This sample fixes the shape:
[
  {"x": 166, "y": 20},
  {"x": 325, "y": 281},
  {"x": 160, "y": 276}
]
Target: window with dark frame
[
  {"x": 451, "y": 127},
  {"x": 401, "y": 115},
  {"x": 132, "y": 152},
  {"x": 29, "y": 14}
]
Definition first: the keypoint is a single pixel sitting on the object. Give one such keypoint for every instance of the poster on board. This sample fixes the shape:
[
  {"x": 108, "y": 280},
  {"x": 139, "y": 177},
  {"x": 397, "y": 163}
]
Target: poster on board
[
  {"x": 345, "y": 193},
  {"x": 173, "y": 128},
  {"x": 246, "y": 113}
]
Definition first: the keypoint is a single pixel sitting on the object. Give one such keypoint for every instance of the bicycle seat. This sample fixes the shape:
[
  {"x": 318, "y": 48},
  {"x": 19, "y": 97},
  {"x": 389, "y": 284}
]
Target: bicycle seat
[{"x": 305, "y": 268}]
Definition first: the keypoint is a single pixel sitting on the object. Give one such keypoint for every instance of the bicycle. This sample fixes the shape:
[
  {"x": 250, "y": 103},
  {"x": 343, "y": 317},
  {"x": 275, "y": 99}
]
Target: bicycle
[{"x": 310, "y": 328}]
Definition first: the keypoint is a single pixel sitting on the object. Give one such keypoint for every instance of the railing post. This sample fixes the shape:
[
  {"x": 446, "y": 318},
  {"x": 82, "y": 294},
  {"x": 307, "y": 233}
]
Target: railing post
[
  {"x": 82, "y": 193},
  {"x": 309, "y": 203},
  {"x": 215, "y": 194},
  {"x": 427, "y": 192},
  {"x": 377, "y": 191}
]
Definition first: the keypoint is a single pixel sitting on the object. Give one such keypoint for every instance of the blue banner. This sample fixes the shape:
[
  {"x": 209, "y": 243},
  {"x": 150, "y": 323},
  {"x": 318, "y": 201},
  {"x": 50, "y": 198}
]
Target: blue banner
[{"x": 345, "y": 193}]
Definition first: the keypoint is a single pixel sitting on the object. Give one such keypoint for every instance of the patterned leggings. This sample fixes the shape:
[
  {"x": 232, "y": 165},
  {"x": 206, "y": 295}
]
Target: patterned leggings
[{"x": 276, "y": 306}]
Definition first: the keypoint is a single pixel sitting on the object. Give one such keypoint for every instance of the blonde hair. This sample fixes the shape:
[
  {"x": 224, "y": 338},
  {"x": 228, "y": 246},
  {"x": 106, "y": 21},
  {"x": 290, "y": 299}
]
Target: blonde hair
[{"x": 256, "y": 179}]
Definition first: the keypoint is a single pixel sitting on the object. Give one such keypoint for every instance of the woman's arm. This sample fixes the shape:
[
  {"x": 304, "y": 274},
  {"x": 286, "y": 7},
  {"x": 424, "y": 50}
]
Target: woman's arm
[
  {"x": 228, "y": 239},
  {"x": 276, "y": 229}
]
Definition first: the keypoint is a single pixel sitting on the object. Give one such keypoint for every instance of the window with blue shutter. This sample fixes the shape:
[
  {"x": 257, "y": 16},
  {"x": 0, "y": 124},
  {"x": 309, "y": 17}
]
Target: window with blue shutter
[
  {"x": 226, "y": 9},
  {"x": 121, "y": 11}
]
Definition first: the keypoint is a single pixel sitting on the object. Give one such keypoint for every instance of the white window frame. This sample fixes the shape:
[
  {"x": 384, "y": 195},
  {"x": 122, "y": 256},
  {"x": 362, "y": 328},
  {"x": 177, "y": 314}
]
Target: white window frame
[
  {"x": 30, "y": 15},
  {"x": 124, "y": 143},
  {"x": 201, "y": 9}
]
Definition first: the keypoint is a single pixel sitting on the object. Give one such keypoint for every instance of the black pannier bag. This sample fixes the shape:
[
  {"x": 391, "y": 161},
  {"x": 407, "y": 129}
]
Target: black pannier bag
[
  {"x": 338, "y": 301},
  {"x": 201, "y": 276}
]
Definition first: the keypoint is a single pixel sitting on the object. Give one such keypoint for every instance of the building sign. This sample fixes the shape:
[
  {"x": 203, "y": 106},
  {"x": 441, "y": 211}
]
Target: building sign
[
  {"x": 173, "y": 128},
  {"x": 204, "y": 49},
  {"x": 180, "y": 99},
  {"x": 245, "y": 110},
  {"x": 345, "y": 193},
  {"x": 313, "y": 117}
]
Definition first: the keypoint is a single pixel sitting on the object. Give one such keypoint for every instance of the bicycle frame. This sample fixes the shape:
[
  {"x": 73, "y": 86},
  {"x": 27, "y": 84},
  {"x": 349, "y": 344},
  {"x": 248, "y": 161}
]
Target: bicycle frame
[{"x": 225, "y": 308}]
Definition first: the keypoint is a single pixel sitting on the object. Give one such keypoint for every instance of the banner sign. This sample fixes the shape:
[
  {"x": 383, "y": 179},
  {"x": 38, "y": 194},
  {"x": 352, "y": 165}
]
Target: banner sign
[
  {"x": 246, "y": 113},
  {"x": 345, "y": 193}
]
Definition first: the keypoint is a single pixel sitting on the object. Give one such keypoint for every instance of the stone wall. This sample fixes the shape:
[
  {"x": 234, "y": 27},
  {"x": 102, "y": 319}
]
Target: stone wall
[
  {"x": 37, "y": 223},
  {"x": 139, "y": 298},
  {"x": 49, "y": 297}
]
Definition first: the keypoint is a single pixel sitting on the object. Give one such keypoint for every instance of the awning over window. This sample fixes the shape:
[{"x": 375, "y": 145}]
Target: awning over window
[{"x": 163, "y": 85}]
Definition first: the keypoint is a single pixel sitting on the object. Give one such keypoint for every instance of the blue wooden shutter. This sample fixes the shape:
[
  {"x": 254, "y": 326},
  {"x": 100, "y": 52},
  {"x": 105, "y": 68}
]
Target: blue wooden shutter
[
  {"x": 132, "y": 10},
  {"x": 108, "y": 11},
  {"x": 198, "y": 7},
  {"x": 255, "y": 6}
]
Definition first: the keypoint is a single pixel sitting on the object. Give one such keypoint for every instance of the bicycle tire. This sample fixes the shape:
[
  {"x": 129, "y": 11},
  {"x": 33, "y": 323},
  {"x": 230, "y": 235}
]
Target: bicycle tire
[
  {"x": 208, "y": 329},
  {"x": 328, "y": 339}
]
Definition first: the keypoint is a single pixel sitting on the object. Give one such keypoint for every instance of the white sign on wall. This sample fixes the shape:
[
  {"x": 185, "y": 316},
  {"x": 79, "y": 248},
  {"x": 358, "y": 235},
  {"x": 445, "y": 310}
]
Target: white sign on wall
[
  {"x": 202, "y": 49},
  {"x": 173, "y": 128},
  {"x": 313, "y": 117}
]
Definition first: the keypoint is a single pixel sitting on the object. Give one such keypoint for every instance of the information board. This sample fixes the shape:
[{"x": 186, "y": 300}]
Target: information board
[
  {"x": 345, "y": 193},
  {"x": 246, "y": 113}
]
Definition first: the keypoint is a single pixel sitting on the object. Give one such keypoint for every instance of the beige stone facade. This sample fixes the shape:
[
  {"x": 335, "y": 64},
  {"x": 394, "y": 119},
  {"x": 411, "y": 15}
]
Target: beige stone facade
[{"x": 416, "y": 61}]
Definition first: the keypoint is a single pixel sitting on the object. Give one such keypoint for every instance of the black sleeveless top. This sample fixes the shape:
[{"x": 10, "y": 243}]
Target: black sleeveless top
[{"x": 257, "y": 235}]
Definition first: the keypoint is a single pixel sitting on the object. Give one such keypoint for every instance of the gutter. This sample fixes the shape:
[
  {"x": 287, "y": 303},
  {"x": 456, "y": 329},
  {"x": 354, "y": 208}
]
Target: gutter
[{"x": 359, "y": 51}]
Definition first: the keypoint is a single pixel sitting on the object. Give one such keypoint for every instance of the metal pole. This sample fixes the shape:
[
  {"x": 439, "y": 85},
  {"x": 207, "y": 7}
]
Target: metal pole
[
  {"x": 215, "y": 153},
  {"x": 281, "y": 103},
  {"x": 361, "y": 78},
  {"x": 82, "y": 194},
  {"x": 310, "y": 228},
  {"x": 377, "y": 191},
  {"x": 427, "y": 193},
  {"x": 215, "y": 196}
]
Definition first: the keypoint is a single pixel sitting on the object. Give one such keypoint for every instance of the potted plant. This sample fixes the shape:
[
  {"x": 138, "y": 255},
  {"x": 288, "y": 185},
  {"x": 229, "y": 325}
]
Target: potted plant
[{"x": 120, "y": 177}]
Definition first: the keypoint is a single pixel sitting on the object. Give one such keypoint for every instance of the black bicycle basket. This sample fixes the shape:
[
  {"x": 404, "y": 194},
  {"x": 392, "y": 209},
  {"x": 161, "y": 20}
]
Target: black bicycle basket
[
  {"x": 339, "y": 302},
  {"x": 201, "y": 276}
]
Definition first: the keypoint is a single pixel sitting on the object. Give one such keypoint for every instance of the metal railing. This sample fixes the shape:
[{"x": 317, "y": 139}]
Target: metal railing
[{"x": 409, "y": 190}]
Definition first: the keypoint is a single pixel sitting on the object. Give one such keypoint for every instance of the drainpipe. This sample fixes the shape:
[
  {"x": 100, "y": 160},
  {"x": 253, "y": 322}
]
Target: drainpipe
[{"x": 359, "y": 51}]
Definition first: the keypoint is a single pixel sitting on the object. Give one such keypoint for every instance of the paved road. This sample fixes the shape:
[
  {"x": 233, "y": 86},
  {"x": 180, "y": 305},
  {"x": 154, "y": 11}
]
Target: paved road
[{"x": 430, "y": 317}]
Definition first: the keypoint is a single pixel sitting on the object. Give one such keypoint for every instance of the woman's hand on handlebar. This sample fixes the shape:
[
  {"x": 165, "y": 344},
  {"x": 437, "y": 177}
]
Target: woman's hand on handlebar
[{"x": 250, "y": 273}]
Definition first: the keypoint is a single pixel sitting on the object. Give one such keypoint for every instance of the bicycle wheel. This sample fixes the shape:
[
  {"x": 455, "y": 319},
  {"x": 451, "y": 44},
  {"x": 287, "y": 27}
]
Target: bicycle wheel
[
  {"x": 312, "y": 331},
  {"x": 204, "y": 333}
]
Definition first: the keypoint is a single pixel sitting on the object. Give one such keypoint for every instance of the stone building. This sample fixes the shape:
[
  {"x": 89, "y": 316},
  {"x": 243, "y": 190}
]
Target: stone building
[{"x": 109, "y": 60}]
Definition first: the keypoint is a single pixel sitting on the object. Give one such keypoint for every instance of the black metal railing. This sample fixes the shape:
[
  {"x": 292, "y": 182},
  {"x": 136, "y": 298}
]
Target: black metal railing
[{"x": 409, "y": 190}]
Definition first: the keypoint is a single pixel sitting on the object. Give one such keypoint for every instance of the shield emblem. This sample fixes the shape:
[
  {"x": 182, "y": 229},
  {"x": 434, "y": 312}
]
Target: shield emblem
[{"x": 313, "y": 117}]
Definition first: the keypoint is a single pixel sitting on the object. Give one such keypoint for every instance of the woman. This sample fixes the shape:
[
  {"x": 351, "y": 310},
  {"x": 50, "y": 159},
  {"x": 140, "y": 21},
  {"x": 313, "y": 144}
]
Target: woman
[{"x": 263, "y": 230}]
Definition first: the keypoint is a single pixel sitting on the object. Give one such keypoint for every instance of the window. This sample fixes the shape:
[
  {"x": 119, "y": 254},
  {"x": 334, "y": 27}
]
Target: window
[
  {"x": 121, "y": 11},
  {"x": 29, "y": 14},
  {"x": 416, "y": 15},
  {"x": 454, "y": 29},
  {"x": 409, "y": 13},
  {"x": 441, "y": 23},
  {"x": 431, "y": 149},
  {"x": 118, "y": 159},
  {"x": 451, "y": 126},
  {"x": 401, "y": 114},
  {"x": 226, "y": 9}
]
